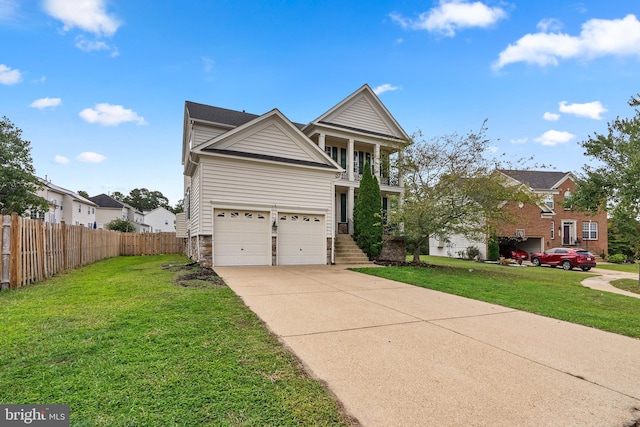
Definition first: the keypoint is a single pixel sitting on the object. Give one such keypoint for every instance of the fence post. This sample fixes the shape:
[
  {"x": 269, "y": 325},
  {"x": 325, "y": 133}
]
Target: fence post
[
  {"x": 6, "y": 246},
  {"x": 15, "y": 253}
]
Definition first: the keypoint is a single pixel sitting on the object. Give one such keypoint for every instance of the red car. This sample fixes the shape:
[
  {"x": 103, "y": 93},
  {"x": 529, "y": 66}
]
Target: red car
[
  {"x": 568, "y": 258},
  {"x": 515, "y": 254}
]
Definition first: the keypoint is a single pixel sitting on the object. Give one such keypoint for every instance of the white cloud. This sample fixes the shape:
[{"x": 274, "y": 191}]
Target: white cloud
[
  {"x": 208, "y": 64},
  {"x": 552, "y": 117},
  {"x": 592, "y": 110},
  {"x": 87, "y": 15},
  {"x": 492, "y": 149},
  {"x": 111, "y": 115},
  {"x": 61, "y": 160},
  {"x": 8, "y": 9},
  {"x": 91, "y": 157},
  {"x": 46, "y": 103},
  {"x": 452, "y": 15},
  {"x": 552, "y": 138},
  {"x": 384, "y": 88},
  {"x": 549, "y": 24},
  {"x": 520, "y": 141},
  {"x": 9, "y": 76},
  {"x": 598, "y": 37}
]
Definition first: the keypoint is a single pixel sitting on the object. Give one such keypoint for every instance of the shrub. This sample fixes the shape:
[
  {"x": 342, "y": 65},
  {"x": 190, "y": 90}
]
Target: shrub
[
  {"x": 617, "y": 258},
  {"x": 473, "y": 252},
  {"x": 121, "y": 225},
  {"x": 493, "y": 248}
]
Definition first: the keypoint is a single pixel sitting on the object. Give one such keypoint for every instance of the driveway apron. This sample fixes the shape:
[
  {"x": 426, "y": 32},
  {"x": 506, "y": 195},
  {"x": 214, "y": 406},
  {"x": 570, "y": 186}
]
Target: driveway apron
[{"x": 399, "y": 355}]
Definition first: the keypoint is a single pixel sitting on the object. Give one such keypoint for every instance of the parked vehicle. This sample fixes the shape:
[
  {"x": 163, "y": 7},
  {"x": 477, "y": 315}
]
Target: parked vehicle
[
  {"x": 568, "y": 258},
  {"x": 515, "y": 254}
]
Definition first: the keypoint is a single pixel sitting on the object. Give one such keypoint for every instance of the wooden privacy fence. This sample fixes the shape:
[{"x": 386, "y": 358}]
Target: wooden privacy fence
[{"x": 33, "y": 250}]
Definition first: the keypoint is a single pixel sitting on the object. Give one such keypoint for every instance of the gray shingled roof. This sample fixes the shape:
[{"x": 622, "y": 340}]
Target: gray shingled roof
[
  {"x": 221, "y": 115},
  {"x": 536, "y": 179},
  {"x": 218, "y": 115},
  {"x": 105, "y": 201}
]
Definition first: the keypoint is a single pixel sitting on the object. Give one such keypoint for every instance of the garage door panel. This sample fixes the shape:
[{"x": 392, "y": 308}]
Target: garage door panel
[
  {"x": 241, "y": 238},
  {"x": 301, "y": 239}
]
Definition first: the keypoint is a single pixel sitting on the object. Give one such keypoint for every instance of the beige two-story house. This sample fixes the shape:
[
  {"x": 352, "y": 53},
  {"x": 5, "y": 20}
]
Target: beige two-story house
[{"x": 263, "y": 190}]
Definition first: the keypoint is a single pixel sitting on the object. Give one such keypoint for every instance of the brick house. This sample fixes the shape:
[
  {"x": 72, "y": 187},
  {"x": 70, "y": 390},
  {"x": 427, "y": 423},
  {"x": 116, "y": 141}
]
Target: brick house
[{"x": 552, "y": 223}]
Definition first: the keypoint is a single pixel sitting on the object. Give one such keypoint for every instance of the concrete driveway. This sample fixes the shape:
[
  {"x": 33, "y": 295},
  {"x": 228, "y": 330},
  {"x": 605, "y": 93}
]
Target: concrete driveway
[{"x": 399, "y": 355}]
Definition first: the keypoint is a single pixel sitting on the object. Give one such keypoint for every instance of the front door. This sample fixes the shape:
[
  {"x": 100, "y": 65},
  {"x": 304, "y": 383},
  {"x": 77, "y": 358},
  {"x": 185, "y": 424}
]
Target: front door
[{"x": 566, "y": 234}]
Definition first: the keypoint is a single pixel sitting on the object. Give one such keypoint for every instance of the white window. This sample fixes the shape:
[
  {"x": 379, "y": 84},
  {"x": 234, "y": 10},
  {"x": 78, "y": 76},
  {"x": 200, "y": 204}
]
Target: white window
[
  {"x": 79, "y": 209},
  {"x": 553, "y": 230},
  {"x": 567, "y": 195},
  {"x": 548, "y": 200},
  {"x": 166, "y": 222},
  {"x": 589, "y": 231}
]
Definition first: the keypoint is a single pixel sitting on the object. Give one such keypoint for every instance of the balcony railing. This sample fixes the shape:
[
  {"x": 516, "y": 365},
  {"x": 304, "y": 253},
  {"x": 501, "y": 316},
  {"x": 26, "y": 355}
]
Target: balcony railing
[{"x": 384, "y": 180}]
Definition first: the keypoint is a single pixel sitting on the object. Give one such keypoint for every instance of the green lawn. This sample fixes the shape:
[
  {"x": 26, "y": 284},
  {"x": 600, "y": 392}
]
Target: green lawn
[
  {"x": 627, "y": 268},
  {"x": 124, "y": 346},
  {"x": 629, "y": 285},
  {"x": 550, "y": 292}
]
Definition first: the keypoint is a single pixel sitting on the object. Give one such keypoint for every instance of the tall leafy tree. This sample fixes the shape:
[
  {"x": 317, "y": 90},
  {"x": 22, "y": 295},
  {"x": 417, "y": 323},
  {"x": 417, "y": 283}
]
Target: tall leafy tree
[
  {"x": 452, "y": 187},
  {"x": 612, "y": 182},
  {"x": 146, "y": 200},
  {"x": 367, "y": 214},
  {"x": 83, "y": 194},
  {"x": 18, "y": 183}
]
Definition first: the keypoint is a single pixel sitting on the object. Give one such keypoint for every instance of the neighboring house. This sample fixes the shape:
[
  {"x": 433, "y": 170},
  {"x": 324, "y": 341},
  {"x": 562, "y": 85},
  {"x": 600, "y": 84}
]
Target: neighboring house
[
  {"x": 66, "y": 206},
  {"x": 160, "y": 220},
  {"x": 261, "y": 190},
  {"x": 109, "y": 209},
  {"x": 552, "y": 223}
]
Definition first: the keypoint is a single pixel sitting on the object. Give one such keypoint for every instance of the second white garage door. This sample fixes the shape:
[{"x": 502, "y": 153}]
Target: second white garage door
[
  {"x": 241, "y": 237},
  {"x": 301, "y": 239}
]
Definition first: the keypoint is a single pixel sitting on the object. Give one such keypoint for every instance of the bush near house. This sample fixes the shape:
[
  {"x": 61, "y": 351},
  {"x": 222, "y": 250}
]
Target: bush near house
[{"x": 367, "y": 215}]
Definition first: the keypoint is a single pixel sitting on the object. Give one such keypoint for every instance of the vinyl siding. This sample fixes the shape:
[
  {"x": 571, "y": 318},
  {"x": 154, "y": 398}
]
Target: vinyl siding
[
  {"x": 203, "y": 134},
  {"x": 194, "y": 221},
  {"x": 233, "y": 181},
  {"x": 272, "y": 141},
  {"x": 361, "y": 115}
]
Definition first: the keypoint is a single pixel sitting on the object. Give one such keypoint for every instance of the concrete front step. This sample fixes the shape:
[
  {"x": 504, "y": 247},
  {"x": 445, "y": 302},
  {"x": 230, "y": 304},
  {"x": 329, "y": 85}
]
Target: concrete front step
[{"x": 347, "y": 252}]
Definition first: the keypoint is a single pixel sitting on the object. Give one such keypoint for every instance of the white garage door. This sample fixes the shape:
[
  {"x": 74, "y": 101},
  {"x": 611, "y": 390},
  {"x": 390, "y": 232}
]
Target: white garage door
[
  {"x": 241, "y": 237},
  {"x": 301, "y": 239}
]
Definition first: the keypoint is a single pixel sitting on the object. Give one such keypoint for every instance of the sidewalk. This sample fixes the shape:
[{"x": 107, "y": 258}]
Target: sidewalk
[
  {"x": 400, "y": 355},
  {"x": 603, "y": 282}
]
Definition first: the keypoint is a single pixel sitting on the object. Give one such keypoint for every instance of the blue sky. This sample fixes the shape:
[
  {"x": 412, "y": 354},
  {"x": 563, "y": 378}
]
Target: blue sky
[{"x": 98, "y": 86}]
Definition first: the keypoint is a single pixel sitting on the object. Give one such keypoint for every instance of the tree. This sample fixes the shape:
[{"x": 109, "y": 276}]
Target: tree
[
  {"x": 18, "y": 183},
  {"x": 452, "y": 187},
  {"x": 179, "y": 207},
  {"x": 122, "y": 225},
  {"x": 146, "y": 200},
  {"x": 367, "y": 215},
  {"x": 613, "y": 184},
  {"x": 83, "y": 194},
  {"x": 118, "y": 196},
  {"x": 623, "y": 233}
]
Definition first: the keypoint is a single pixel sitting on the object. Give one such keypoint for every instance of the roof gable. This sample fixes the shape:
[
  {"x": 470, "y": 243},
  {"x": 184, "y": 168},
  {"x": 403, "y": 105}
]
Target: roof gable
[
  {"x": 363, "y": 111},
  {"x": 538, "y": 180},
  {"x": 270, "y": 137}
]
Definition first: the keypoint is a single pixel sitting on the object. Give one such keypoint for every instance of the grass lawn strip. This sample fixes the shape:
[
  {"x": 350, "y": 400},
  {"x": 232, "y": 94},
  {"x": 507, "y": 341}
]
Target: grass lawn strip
[
  {"x": 123, "y": 345},
  {"x": 546, "y": 291},
  {"x": 629, "y": 285}
]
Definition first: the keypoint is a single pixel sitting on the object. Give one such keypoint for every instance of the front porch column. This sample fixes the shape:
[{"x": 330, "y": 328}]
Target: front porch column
[
  {"x": 350, "y": 165},
  {"x": 376, "y": 161},
  {"x": 350, "y": 203},
  {"x": 321, "y": 141}
]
